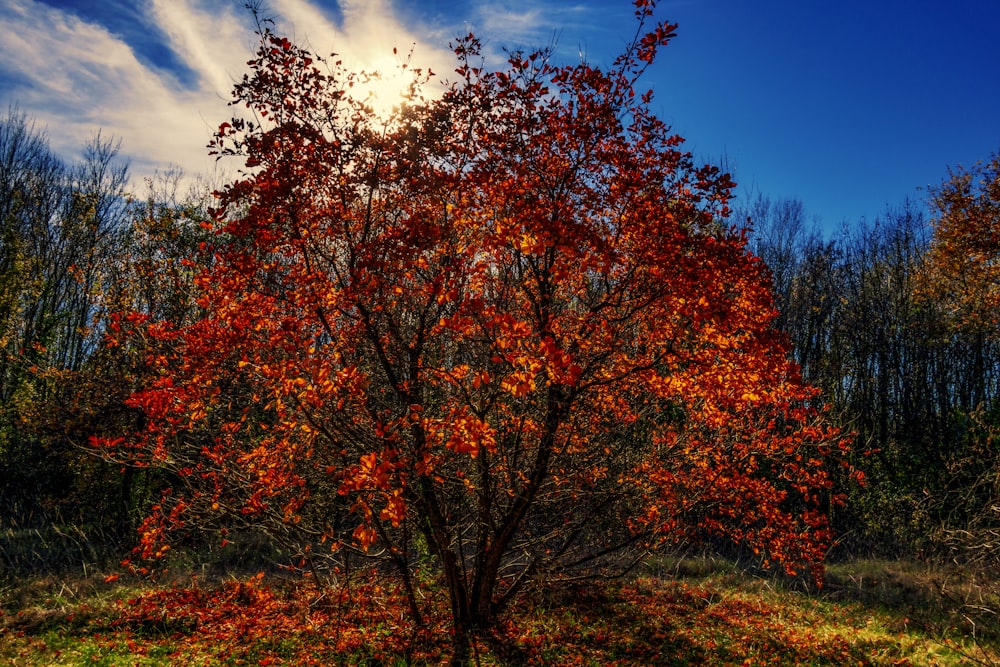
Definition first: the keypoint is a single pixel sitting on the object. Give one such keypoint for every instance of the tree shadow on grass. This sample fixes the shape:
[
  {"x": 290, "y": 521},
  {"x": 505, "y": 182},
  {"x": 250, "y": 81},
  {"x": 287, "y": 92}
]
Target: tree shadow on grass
[
  {"x": 655, "y": 621},
  {"x": 937, "y": 597},
  {"x": 593, "y": 624}
]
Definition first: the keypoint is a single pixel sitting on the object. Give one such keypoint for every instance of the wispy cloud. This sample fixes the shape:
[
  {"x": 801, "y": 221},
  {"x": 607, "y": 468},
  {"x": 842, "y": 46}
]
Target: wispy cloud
[
  {"x": 214, "y": 44},
  {"x": 76, "y": 75},
  {"x": 546, "y": 23}
]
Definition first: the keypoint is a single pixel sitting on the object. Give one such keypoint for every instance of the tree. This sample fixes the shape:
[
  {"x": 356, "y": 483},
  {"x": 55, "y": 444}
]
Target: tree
[
  {"x": 778, "y": 237},
  {"x": 967, "y": 243},
  {"x": 505, "y": 326}
]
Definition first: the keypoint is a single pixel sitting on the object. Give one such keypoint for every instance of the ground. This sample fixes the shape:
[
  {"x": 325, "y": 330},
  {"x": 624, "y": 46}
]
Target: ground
[{"x": 693, "y": 611}]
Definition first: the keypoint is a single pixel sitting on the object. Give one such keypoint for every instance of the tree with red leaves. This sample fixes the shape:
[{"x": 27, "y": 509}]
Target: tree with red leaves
[{"x": 505, "y": 328}]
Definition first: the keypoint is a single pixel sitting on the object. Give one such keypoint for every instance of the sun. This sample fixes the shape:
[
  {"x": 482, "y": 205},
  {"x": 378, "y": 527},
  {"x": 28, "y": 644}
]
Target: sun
[{"x": 388, "y": 80}]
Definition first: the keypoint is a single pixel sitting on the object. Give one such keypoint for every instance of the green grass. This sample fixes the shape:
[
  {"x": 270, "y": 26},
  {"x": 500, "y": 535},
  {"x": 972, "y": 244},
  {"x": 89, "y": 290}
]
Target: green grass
[{"x": 674, "y": 612}]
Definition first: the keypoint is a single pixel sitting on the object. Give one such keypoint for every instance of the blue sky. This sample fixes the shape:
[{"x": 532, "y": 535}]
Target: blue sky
[{"x": 849, "y": 106}]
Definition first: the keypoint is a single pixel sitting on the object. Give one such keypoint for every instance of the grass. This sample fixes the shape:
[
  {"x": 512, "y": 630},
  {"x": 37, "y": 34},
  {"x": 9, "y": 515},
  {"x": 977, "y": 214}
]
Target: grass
[{"x": 674, "y": 612}]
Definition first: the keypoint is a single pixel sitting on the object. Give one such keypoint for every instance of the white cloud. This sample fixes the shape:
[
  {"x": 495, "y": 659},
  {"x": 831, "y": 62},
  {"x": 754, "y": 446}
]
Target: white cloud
[
  {"x": 75, "y": 77},
  {"x": 540, "y": 23},
  {"x": 215, "y": 45}
]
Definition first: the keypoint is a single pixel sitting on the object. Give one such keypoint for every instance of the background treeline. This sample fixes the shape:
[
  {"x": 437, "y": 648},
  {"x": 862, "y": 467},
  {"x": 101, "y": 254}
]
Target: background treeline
[
  {"x": 861, "y": 310},
  {"x": 75, "y": 249},
  {"x": 871, "y": 326}
]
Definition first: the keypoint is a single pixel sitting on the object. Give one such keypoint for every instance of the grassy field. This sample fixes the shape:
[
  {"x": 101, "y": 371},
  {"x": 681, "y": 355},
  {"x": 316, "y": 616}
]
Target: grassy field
[{"x": 673, "y": 612}]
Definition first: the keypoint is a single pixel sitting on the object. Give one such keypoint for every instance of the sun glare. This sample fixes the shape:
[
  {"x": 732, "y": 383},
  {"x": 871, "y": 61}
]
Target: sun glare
[{"x": 388, "y": 83}]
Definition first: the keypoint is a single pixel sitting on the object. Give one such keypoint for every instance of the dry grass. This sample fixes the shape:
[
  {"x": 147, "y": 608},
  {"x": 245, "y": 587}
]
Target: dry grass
[{"x": 675, "y": 612}]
